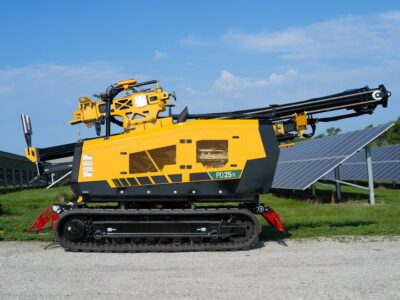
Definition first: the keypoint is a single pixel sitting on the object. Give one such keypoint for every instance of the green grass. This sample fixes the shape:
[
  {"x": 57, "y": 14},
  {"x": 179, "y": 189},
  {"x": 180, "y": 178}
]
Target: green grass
[
  {"x": 302, "y": 219},
  {"x": 19, "y": 209}
]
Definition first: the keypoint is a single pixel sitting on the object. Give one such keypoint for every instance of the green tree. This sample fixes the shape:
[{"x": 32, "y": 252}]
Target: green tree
[
  {"x": 390, "y": 137},
  {"x": 393, "y": 134},
  {"x": 332, "y": 131}
]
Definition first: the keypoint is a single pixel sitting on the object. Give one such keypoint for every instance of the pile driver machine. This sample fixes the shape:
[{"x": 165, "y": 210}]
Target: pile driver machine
[{"x": 149, "y": 186}]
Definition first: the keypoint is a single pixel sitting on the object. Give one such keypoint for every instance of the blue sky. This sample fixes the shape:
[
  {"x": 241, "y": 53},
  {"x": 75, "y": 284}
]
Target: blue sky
[{"x": 216, "y": 55}]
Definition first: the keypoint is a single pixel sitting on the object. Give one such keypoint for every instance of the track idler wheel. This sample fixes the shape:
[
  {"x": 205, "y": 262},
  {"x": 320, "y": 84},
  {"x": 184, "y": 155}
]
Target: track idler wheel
[{"x": 74, "y": 230}]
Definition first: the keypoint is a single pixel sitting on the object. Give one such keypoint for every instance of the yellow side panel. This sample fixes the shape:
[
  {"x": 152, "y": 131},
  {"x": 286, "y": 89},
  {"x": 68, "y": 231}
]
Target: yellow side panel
[{"x": 104, "y": 159}]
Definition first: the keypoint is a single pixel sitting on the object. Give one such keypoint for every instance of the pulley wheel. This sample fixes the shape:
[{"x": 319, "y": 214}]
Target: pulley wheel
[{"x": 74, "y": 230}]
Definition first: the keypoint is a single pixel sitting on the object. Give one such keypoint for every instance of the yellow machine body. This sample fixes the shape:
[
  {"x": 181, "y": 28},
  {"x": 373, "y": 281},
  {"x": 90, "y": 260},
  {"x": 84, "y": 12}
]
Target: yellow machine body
[
  {"x": 185, "y": 148},
  {"x": 154, "y": 174}
]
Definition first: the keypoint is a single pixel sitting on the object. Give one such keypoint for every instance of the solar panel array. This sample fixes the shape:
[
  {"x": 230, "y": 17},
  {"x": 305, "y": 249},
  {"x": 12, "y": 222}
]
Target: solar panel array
[
  {"x": 305, "y": 163},
  {"x": 385, "y": 165}
]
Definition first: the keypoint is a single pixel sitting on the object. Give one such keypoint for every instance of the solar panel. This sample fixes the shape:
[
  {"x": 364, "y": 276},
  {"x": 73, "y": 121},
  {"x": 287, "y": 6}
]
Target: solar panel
[
  {"x": 385, "y": 165},
  {"x": 305, "y": 163}
]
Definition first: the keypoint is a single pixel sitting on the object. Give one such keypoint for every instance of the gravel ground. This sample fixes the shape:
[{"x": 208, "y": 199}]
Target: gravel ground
[{"x": 310, "y": 269}]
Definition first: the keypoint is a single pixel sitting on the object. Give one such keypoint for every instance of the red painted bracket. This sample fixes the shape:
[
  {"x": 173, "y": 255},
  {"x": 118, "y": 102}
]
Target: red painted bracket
[
  {"x": 42, "y": 219},
  {"x": 272, "y": 217}
]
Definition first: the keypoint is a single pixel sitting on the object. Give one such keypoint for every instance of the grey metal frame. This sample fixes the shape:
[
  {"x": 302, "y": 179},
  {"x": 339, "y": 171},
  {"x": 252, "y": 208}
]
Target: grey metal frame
[{"x": 305, "y": 164}]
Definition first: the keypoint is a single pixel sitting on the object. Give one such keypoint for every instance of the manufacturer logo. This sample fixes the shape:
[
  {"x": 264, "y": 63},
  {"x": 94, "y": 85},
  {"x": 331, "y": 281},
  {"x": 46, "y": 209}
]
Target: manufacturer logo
[{"x": 225, "y": 174}]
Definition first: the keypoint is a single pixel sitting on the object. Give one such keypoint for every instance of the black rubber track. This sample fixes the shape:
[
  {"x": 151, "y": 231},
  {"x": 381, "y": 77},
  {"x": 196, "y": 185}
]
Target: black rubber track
[{"x": 171, "y": 247}]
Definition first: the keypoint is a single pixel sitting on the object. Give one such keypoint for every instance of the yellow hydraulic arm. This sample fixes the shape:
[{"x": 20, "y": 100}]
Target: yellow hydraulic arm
[{"x": 137, "y": 107}]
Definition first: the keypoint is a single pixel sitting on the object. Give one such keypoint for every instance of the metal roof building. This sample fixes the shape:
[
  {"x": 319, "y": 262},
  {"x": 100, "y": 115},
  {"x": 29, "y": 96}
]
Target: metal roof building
[{"x": 16, "y": 171}]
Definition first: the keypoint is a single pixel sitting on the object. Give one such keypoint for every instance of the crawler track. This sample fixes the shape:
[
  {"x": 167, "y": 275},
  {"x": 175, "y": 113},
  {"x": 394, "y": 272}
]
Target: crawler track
[{"x": 156, "y": 230}]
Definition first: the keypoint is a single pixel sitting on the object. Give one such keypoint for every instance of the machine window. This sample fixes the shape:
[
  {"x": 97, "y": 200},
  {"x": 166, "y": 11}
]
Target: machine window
[
  {"x": 140, "y": 162},
  {"x": 212, "y": 153},
  {"x": 163, "y": 156}
]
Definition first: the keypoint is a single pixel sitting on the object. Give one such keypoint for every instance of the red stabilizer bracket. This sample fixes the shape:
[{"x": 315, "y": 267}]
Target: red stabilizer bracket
[
  {"x": 42, "y": 219},
  {"x": 273, "y": 218}
]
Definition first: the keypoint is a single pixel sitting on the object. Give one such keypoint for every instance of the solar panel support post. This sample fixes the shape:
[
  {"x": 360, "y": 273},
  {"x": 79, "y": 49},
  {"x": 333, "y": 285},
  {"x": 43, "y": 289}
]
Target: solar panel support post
[
  {"x": 14, "y": 183},
  {"x": 338, "y": 186},
  {"x": 59, "y": 179},
  {"x": 370, "y": 175},
  {"x": 21, "y": 184},
  {"x": 313, "y": 190},
  {"x": 5, "y": 179},
  {"x": 349, "y": 184},
  {"x": 27, "y": 178}
]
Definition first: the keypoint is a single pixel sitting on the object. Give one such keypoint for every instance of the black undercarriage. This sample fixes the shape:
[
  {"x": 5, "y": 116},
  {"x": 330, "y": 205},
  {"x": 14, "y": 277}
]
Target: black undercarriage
[{"x": 167, "y": 230}]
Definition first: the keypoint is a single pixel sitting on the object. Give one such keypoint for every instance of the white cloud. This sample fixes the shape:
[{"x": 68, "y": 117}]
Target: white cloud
[
  {"x": 232, "y": 92},
  {"x": 159, "y": 55},
  {"x": 391, "y": 15},
  {"x": 265, "y": 41},
  {"x": 192, "y": 41},
  {"x": 49, "y": 94},
  {"x": 229, "y": 81},
  {"x": 375, "y": 35},
  {"x": 189, "y": 89},
  {"x": 57, "y": 79}
]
